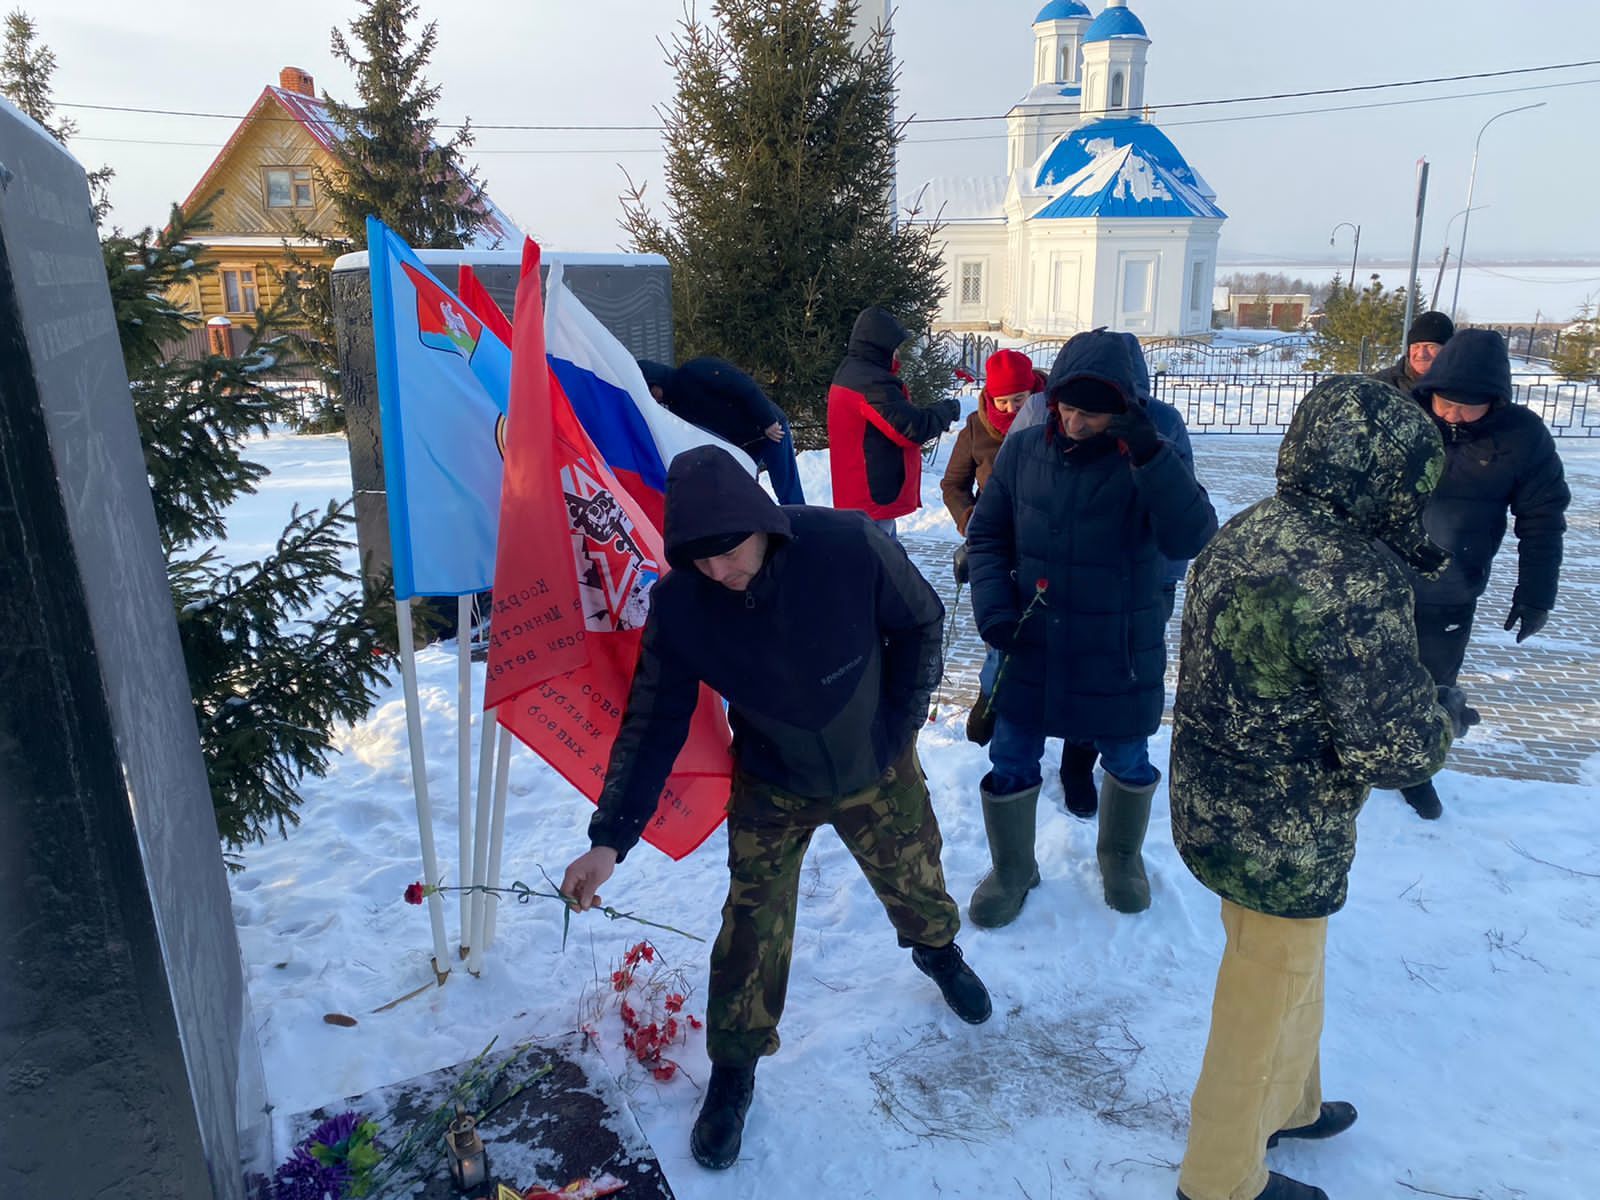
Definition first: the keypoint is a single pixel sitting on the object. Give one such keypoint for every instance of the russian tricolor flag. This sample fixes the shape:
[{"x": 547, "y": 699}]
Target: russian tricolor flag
[{"x": 635, "y": 435}]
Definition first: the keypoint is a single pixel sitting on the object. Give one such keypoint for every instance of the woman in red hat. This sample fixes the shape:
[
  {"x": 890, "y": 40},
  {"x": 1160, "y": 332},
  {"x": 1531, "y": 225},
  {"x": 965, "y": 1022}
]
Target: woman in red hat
[{"x": 1009, "y": 379}]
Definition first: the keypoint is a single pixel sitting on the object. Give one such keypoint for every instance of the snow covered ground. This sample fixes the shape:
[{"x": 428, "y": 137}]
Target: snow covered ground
[{"x": 1460, "y": 976}]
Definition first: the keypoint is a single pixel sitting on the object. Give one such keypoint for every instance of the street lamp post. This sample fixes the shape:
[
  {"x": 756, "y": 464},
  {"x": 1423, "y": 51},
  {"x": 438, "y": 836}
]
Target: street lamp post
[
  {"x": 1355, "y": 251},
  {"x": 1444, "y": 258},
  {"x": 1472, "y": 179}
]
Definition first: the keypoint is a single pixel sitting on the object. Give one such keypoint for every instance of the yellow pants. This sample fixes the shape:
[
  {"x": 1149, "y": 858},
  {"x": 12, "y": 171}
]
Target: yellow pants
[{"x": 1261, "y": 1071}]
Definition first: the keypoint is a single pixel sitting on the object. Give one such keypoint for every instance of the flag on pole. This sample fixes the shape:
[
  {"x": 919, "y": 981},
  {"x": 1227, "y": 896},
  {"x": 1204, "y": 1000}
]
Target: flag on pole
[
  {"x": 571, "y": 593},
  {"x": 443, "y": 383},
  {"x": 633, "y": 432}
]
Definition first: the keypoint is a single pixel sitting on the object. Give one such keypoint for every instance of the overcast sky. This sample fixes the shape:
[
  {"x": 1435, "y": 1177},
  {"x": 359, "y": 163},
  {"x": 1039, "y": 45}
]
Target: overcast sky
[{"x": 1285, "y": 182}]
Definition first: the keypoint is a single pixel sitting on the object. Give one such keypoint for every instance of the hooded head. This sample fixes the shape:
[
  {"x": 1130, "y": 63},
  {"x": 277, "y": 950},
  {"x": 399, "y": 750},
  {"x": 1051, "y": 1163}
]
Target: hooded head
[
  {"x": 876, "y": 335},
  {"x": 1141, "y": 369},
  {"x": 1360, "y": 449},
  {"x": 1473, "y": 368},
  {"x": 713, "y": 504},
  {"x": 1094, "y": 373},
  {"x": 656, "y": 375}
]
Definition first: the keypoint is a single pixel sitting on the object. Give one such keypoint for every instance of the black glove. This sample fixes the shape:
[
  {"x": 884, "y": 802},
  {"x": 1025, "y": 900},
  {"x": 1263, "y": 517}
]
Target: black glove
[
  {"x": 1533, "y": 619},
  {"x": 950, "y": 407},
  {"x": 1002, "y": 636},
  {"x": 960, "y": 564},
  {"x": 1137, "y": 431},
  {"x": 1462, "y": 718}
]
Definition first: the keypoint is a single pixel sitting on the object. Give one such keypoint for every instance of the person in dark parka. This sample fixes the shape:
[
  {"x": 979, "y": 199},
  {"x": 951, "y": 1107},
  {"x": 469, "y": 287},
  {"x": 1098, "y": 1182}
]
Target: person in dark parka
[
  {"x": 1499, "y": 457},
  {"x": 718, "y": 397},
  {"x": 875, "y": 432},
  {"x": 1078, "y": 758},
  {"x": 1067, "y": 551},
  {"x": 825, "y": 641},
  {"x": 1299, "y": 689},
  {"x": 1424, "y": 340}
]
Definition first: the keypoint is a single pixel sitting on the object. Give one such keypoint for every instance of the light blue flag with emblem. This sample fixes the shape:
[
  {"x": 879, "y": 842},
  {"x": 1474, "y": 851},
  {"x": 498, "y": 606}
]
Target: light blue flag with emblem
[{"x": 444, "y": 386}]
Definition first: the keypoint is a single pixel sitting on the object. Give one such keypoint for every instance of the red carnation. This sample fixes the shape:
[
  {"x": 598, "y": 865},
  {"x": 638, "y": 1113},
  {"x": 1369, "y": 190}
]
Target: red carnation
[
  {"x": 415, "y": 893},
  {"x": 1041, "y": 584}
]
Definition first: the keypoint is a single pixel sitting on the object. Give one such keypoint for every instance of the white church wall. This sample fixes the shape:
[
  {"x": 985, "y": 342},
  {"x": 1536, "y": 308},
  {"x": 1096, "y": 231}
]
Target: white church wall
[{"x": 975, "y": 276}]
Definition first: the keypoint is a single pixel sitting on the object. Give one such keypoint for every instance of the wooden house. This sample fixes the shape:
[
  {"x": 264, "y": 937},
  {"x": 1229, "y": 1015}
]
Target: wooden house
[{"x": 262, "y": 188}]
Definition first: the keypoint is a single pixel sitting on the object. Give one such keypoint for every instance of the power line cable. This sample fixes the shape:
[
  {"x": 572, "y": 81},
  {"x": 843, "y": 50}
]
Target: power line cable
[
  {"x": 1366, "y": 87},
  {"x": 1156, "y": 110}
]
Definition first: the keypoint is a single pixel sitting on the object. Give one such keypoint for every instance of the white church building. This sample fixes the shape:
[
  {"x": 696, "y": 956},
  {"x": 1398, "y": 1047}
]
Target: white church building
[{"x": 1098, "y": 220}]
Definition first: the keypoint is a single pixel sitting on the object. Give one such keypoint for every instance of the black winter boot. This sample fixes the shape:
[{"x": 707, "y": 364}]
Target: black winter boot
[
  {"x": 1124, "y": 818},
  {"x": 1281, "y": 1187},
  {"x": 980, "y": 721},
  {"x": 719, "y": 1128},
  {"x": 1336, "y": 1116},
  {"x": 963, "y": 990},
  {"x": 1077, "y": 779},
  {"x": 1423, "y": 798},
  {"x": 1009, "y": 822}
]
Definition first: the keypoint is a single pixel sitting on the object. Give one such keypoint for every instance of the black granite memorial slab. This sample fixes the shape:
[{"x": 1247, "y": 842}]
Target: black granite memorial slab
[
  {"x": 127, "y": 1056},
  {"x": 552, "y": 1114}
]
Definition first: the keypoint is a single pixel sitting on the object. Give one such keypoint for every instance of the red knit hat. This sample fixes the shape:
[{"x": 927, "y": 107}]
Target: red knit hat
[{"x": 1008, "y": 372}]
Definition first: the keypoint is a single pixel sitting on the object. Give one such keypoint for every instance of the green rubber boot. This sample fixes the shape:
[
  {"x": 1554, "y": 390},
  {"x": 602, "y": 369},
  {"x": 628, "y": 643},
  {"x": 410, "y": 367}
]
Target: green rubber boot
[
  {"x": 1009, "y": 822},
  {"x": 1124, "y": 817}
]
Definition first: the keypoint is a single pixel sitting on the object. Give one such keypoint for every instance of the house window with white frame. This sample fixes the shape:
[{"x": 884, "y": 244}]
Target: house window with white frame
[
  {"x": 972, "y": 282},
  {"x": 239, "y": 289},
  {"x": 289, "y": 187}
]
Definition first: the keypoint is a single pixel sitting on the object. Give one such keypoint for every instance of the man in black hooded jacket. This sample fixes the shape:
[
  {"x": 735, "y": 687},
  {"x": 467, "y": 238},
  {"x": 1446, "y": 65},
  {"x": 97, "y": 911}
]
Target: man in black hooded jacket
[
  {"x": 825, "y": 641},
  {"x": 1499, "y": 456}
]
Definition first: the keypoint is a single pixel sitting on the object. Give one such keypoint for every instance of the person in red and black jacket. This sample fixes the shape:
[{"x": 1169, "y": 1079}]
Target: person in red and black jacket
[{"x": 875, "y": 432}]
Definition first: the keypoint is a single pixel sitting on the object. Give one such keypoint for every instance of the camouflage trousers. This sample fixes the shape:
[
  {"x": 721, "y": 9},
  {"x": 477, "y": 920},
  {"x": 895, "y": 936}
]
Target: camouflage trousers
[{"x": 889, "y": 828}]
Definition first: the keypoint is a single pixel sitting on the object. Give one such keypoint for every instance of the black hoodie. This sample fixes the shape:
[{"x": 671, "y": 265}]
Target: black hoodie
[
  {"x": 826, "y": 660},
  {"x": 717, "y": 396},
  {"x": 1505, "y": 460}
]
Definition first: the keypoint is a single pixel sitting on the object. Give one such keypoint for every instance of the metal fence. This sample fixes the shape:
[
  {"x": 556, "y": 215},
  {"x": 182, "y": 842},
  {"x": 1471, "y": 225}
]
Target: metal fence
[{"x": 1255, "y": 387}]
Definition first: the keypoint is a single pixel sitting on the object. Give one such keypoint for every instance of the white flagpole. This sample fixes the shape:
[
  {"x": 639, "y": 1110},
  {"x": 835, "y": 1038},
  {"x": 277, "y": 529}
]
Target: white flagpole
[
  {"x": 502, "y": 773},
  {"x": 419, "y": 785},
  {"x": 464, "y": 759},
  {"x": 480, "y": 850}
]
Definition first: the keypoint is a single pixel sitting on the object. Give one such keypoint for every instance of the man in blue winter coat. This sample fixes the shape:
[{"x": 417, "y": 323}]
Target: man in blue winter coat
[
  {"x": 1067, "y": 549},
  {"x": 1078, "y": 758},
  {"x": 1498, "y": 457}
]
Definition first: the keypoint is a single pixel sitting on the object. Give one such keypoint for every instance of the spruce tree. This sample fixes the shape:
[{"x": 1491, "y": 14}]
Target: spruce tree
[
  {"x": 388, "y": 165},
  {"x": 1360, "y": 330},
  {"x": 276, "y": 656},
  {"x": 25, "y": 73},
  {"x": 780, "y": 146},
  {"x": 1578, "y": 356}
]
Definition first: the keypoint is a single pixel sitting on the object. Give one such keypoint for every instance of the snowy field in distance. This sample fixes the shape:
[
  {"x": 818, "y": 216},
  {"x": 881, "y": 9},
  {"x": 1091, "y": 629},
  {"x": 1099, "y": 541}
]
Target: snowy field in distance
[
  {"x": 1461, "y": 977},
  {"x": 1491, "y": 294}
]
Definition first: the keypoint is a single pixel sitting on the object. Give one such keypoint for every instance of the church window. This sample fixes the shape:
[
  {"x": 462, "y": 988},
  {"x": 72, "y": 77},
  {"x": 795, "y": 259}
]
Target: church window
[
  {"x": 1064, "y": 65},
  {"x": 972, "y": 283},
  {"x": 1116, "y": 90},
  {"x": 1197, "y": 286}
]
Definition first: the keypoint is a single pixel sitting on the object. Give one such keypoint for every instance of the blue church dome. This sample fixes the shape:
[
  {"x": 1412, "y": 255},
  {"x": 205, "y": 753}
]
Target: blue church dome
[
  {"x": 1115, "y": 23},
  {"x": 1061, "y": 10}
]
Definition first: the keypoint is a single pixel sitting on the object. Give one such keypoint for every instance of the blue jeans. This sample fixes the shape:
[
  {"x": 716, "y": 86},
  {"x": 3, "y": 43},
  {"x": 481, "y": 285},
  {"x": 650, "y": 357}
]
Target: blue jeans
[
  {"x": 778, "y": 459},
  {"x": 1015, "y": 750},
  {"x": 990, "y": 668}
]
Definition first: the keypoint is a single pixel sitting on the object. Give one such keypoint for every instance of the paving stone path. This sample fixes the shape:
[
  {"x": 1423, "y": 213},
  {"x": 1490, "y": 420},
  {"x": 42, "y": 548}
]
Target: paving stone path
[{"x": 1540, "y": 701}]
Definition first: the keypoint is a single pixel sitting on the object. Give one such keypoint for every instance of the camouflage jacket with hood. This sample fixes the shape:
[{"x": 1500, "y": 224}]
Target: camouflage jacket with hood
[{"x": 1299, "y": 687}]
